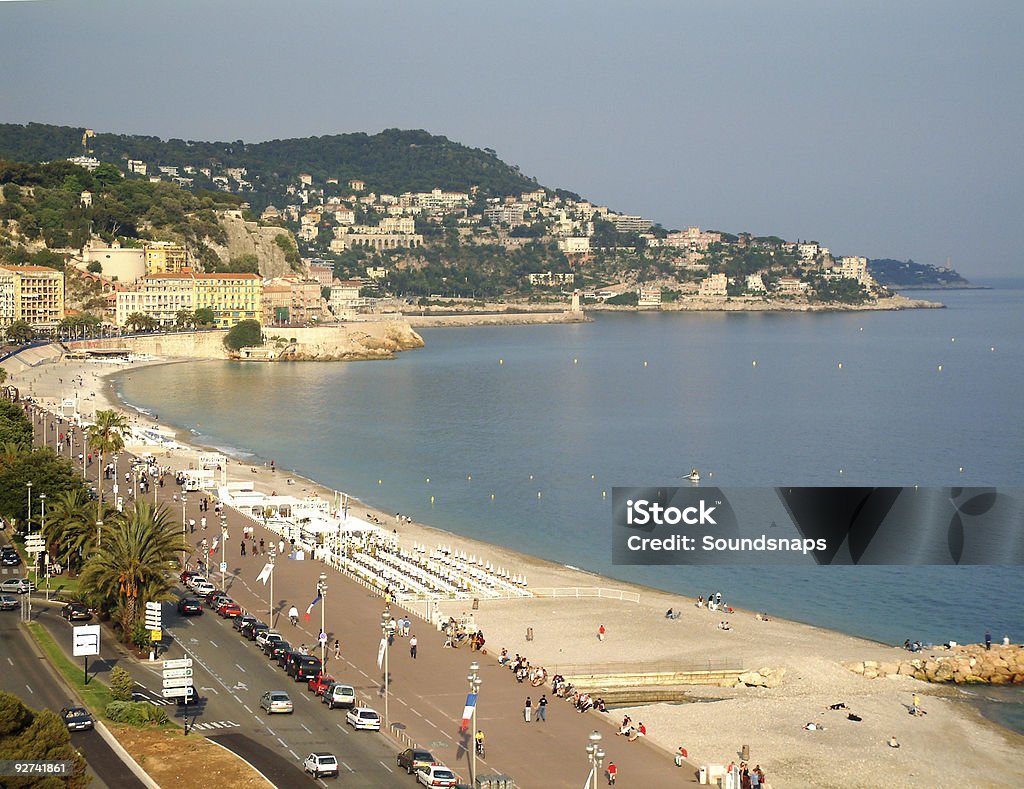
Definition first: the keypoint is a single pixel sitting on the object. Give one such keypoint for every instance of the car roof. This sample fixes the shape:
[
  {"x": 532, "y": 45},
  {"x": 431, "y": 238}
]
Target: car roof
[
  {"x": 277, "y": 693},
  {"x": 323, "y": 755}
]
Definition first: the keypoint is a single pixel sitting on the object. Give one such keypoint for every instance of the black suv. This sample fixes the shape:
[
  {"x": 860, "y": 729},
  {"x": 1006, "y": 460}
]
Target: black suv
[
  {"x": 303, "y": 667},
  {"x": 274, "y": 649},
  {"x": 254, "y": 631},
  {"x": 189, "y": 606}
]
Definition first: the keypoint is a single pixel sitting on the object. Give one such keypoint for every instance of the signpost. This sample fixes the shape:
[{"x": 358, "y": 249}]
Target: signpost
[
  {"x": 154, "y": 625},
  {"x": 177, "y": 679},
  {"x": 85, "y": 642}
]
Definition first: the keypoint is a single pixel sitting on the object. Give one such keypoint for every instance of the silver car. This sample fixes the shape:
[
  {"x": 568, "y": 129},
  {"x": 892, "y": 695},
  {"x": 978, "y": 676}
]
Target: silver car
[
  {"x": 276, "y": 701},
  {"x": 17, "y": 585}
]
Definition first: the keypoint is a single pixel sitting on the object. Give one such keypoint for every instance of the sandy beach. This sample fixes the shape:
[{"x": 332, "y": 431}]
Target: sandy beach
[{"x": 949, "y": 746}]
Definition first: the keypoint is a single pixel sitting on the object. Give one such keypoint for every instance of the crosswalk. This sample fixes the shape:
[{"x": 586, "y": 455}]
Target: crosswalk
[
  {"x": 211, "y": 725},
  {"x": 154, "y": 700}
]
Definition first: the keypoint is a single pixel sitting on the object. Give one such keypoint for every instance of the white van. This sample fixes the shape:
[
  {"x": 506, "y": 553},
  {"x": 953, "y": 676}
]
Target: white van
[{"x": 338, "y": 695}]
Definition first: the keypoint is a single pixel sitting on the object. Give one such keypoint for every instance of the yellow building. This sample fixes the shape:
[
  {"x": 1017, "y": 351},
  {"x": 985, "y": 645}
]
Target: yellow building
[
  {"x": 164, "y": 256},
  {"x": 34, "y": 294},
  {"x": 232, "y": 297}
]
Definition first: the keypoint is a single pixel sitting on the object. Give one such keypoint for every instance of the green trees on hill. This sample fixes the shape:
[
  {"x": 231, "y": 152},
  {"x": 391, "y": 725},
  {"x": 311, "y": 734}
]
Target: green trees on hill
[
  {"x": 243, "y": 334},
  {"x": 28, "y": 734}
]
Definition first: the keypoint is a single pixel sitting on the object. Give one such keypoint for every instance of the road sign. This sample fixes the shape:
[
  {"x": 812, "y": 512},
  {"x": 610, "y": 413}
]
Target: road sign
[
  {"x": 223, "y": 567},
  {"x": 178, "y": 682},
  {"x": 156, "y": 635},
  {"x": 323, "y": 638},
  {"x": 177, "y": 693},
  {"x": 180, "y": 663},
  {"x": 86, "y": 640},
  {"x": 153, "y": 616},
  {"x": 171, "y": 673}
]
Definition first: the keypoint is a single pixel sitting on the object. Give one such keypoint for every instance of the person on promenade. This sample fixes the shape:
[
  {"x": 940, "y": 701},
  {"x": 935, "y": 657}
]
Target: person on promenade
[
  {"x": 337, "y": 649},
  {"x": 988, "y": 640},
  {"x": 293, "y": 615},
  {"x": 412, "y": 646},
  {"x": 613, "y": 773},
  {"x": 600, "y": 633},
  {"x": 242, "y": 544},
  {"x": 542, "y": 708},
  {"x": 527, "y": 709},
  {"x": 680, "y": 756}
]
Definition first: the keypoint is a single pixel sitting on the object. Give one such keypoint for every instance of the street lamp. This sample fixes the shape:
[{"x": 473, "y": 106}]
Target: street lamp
[
  {"x": 99, "y": 533},
  {"x": 28, "y": 530},
  {"x": 42, "y": 532},
  {"x": 385, "y": 619},
  {"x": 184, "y": 537},
  {"x": 223, "y": 545},
  {"x": 321, "y": 590},
  {"x": 596, "y": 755},
  {"x": 273, "y": 554},
  {"x": 474, "y": 687}
]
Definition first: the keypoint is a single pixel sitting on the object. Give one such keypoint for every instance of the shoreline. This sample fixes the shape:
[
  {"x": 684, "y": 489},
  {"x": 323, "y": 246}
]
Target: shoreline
[{"x": 770, "y": 720}]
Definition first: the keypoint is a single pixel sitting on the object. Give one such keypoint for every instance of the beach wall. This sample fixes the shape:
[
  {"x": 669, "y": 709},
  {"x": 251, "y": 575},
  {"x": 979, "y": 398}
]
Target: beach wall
[
  {"x": 496, "y": 319},
  {"x": 346, "y": 342}
]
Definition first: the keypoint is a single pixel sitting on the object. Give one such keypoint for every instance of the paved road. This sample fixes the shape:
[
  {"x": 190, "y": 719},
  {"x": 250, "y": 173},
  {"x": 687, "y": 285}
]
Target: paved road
[{"x": 25, "y": 672}]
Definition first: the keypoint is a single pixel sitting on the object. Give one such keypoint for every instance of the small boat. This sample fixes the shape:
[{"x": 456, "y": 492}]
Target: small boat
[{"x": 693, "y": 476}]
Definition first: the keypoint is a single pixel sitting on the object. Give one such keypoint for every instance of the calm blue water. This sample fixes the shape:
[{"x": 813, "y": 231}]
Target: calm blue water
[{"x": 575, "y": 407}]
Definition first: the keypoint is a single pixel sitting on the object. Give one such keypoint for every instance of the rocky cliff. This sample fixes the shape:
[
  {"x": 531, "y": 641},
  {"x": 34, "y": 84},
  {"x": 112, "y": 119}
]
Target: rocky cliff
[{"x": 249, "y": 238}]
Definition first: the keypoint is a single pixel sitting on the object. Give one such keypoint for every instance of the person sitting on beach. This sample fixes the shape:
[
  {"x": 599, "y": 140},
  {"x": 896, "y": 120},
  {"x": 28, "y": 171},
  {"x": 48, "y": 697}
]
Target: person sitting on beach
[
  {"x": 632, "y": 734},
  {"x": 906, "y": 644},
  {"x": 625, "y": 726},
  {"x": 840, "y": 706},
  {"x": 668, "y": 614},
  {"x": 504, "y": 658},
  {"x": 600, "y": 706},
  {"x": 811, "y": 726},
  {"x": 700, "y": 601},
  {"x": 893, "y": 743}
]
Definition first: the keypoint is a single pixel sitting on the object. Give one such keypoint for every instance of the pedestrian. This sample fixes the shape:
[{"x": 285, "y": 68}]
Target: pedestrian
[
  {"x": 243, "y": 547},
  {"x": 613, "y": 772},
  {"x": 600, "y": 633},
  {"x": 293, "y": 615},
  {"x": 412, "y": 646},
  {"x": 262, "y": 549},
  {"x": 202, "y": 522},
  {"x": 192, "y": 525},
  {"x": 988, "y": 640},
  {"x": 280, "y": 547},
  {"x": 337, "y": 649},
  {"x": 542, "y": 708},
  {"x": 527, "y": 710}
]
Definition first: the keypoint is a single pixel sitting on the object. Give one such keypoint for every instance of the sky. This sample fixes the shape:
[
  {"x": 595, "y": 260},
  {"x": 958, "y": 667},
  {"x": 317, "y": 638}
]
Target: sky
[{"x": 875, "y": 128}]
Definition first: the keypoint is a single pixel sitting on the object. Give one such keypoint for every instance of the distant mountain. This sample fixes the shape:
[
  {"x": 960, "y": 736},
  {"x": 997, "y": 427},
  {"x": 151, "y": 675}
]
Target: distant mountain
[
  {"x": 906, "y": 275},
  {"x": 392, "y": 162}
]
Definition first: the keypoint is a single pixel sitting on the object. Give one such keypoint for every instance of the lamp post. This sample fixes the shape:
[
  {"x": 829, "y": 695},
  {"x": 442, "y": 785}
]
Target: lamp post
[
  {"x": 385, "y": 618},
  {"x": 474, "y": 687},
  {"x": 42, "y": 531},
  {"x": 321, "y": 590},
  {"x": 223, "y": 546},
  {"x": 184, "y": 525},
  {"x": 28, "y": 530},
  {"x": 595, "y": 753},
  {"x": 273, "y": 554},
  {"x": 99, "y": 533}
]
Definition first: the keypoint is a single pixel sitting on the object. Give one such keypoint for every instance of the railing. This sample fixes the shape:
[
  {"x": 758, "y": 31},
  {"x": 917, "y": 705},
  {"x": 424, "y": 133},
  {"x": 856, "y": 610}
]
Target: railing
[
  {"x": 587, "y": 591},
  {"x": 660, "y": 667}
]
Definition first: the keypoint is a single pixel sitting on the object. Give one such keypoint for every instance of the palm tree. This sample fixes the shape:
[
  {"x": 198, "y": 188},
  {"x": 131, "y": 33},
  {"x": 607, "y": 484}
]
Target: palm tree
[
  {"x": 132, "y": 566},
  {"x": 106, "y": 435},
  {"x": 71, "y": 524}
]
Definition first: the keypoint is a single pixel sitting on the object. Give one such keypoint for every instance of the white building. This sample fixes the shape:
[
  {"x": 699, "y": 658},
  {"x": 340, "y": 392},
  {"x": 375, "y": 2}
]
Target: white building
[
  {"x": 854, "y": 267},
  {"x": 755, "y": 284},
  {"x": 648, "y": 298},
  {"x": 714, "y": 286},
  {"x": 574, "y": 245}
]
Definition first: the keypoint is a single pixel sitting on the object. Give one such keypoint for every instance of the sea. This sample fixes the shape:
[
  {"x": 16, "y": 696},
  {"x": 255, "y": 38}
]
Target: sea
[{"x": 516, "y": 435}]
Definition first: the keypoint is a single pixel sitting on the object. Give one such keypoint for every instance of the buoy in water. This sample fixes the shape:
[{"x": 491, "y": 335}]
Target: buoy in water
[
  {"x": 380, "y": 482},
  {"x": 645, "y": 362},
  {"x": 593, "y": 476},
  {"x": 492, "y": 497},
  {"x": 431, "y": 499},
  {"x": 538, "y": 494},
  {"x": 575, "y": 361},
  {"x": 754, "y": 363},
  {"x": 840, "y": 365},
  {"x": 501, "y": 361},
  {"x": 428, "y": 480},
  {"x": 604, "y": 494},
  {"x": 469, "y": 476},
  {"x": 940, "y": 368},
  {"x": 531, "y": 476}
]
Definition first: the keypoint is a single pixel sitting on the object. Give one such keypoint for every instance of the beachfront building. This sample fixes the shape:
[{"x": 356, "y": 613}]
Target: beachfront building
[
  {"x": 511, "y": 214},
  {"x": 164, "y": 256},
  {"x": 791, "y": 285},
  {"x": 373, "y": 240},
  {"x": 693, "y": 238},
  {"x": 232, "y": 297},
  {"x": 345, "y": 297},
  {"x": 625, "y": 223},
  {"x": 755, "y": 284},
  {"x": 551, "y": 278},
  {"x": 574, "y": 245},
  {"x": 158, "y": 296},
  {"x": 648, "y": 298},
  {"x": 291, "y": 301},
  {"x": 34, "y": 294}
]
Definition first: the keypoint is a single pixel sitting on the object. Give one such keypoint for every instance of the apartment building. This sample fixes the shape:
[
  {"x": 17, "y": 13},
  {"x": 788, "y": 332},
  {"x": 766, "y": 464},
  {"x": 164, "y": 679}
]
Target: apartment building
[
  {"x": 159, "y": 296},
  {"x": 164, "y": 256},
  {"x": 232, "y": 297},
  {"x": 34, "y": 294}
]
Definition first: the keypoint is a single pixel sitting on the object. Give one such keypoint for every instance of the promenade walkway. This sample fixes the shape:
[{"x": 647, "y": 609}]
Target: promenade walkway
[{"x": 426, "y": 695}]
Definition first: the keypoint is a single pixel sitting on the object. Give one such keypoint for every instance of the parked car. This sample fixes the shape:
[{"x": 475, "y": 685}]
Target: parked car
[
  {"x": 76, "y": 718},
  {"x": 276, "y": 701},
  {"x": 274, "y": 649},
  {"x": 76, "y": 612},
  {"x": 284, "y": 657},
  {"x": 363, "y": 718},
  {"x": 436, "y": 775},
  {"x": 189, "y": 606},
  {"x": 339, "y": 695},
  {"x": 412, "y": 759},
  {"x": 320, "y": 683},
  {"x": 229, "y": 609},
  {"x": 203, "y": 588},
  {"x": 188, "y": 575},
  {"x": 318, "y": 764},
  {"x": 215, "y": 600},
  {"x": 8, "y": 603},
  {"x": 254, "y": 629},
  {"x": 194, "y": 579},
  {"x": 16, "y": 585},
  {"x": 303, "y": 667},
  {"x": 9, "y": 558},
  {"x": 242, "y": 620},
  {"x": 210, "y": 597},
  {"x": 267, "y": 635}
]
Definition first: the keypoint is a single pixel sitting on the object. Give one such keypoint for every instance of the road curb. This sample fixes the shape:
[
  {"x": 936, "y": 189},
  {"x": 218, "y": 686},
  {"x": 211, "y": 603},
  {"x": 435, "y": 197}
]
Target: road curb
[
  {"x": 242, "y": 759},
  {"x": 125, "y": 757}
]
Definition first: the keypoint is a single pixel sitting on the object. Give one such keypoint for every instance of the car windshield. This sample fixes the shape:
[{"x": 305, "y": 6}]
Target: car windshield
[
  {"x": 369, "y": 714},
  {"x": 279, "y": 697},
  {"x": 444, "y": 774}
]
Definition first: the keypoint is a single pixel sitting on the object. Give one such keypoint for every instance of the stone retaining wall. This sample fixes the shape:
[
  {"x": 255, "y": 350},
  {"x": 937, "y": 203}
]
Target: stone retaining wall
[{"x": 966, "y": 665}]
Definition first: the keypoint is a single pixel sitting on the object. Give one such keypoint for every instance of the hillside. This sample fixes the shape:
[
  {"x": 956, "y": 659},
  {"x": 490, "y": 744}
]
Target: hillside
[
  {"x": 900, "y": 274},
  {"x": 393, "y": 161}
]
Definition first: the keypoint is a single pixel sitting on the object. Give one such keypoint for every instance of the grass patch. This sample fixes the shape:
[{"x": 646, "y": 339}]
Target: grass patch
[{"x": 96, "y": 695}]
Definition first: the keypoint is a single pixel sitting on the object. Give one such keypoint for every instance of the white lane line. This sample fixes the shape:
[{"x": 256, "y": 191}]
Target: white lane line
[
  {"x": 293, "y": 754},
  {"x": 384, "y": 766},
  {"x": 283, "y": 743},
  {"x": 236, "y": 698},
  {"x": 231, "y": 723},
  {"x": 272, "y": 732},
  {"x": 29, "y": 688},
  {"x": 213, "y": 643},
  {"x": 348, "y": 768},
  {"x": 240, "y": 668},
  {"x": 10, "y": 661},
  {"x": 344, "y": 730},
  {"x": 430, "y": 722},
  {"x": 319, "y": 780},
  {"x": 308, "y": 730},
  {"x": 248, "y": 710},
  {"x": 417, "y": 712}
]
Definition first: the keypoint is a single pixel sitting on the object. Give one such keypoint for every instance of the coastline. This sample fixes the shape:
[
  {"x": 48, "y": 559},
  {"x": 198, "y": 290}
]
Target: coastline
[{"x": 769, "y": 720}]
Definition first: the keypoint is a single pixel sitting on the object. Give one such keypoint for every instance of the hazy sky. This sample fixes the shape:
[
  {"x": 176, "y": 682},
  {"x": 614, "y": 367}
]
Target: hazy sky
[{"x": 890, "y": 129}]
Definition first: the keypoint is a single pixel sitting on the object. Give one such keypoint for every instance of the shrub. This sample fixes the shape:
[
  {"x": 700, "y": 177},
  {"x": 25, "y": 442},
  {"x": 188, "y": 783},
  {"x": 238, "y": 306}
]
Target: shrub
[
  {"x": 121, "y": 684},
  {"x": 135, "y": 713}
]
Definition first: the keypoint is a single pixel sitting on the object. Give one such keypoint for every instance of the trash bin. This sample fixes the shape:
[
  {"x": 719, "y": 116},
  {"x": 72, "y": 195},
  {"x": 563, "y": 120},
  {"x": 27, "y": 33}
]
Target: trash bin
[
  {"x": 745, "y": 753},
  {"x": 702, "y": 775},
  {"x": 529, "y": 634},
  {"x": 476, "y": 603}
]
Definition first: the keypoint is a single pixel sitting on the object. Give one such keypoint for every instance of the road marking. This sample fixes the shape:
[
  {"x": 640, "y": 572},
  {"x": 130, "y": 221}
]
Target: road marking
[
  {"x": 240, "y": 668},
  {"x": 430, "y": 722},
  {"x": 293, "y": 754},
  {"x": 384, "y": 766},
  {"x": 417, "y": 712},
  {"x": 348, "y": 768},
  {"x": 321, "y": 780},
  {"x": 236, "y": 698},
  {"x": 342, "y": 728},
  {"x": 248, "y": 710},
  {"x": 272, "y": 732},
  {"x": 213, "y": 643},
  {"x": 10, "y": 661},
  {"x": 308, "y": 730},
  {"x": 29, "y": 688},
  {"x": 283, "y": 743}
]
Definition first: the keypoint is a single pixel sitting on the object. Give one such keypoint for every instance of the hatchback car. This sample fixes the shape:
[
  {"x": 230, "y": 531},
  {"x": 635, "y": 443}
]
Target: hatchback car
[
  {"x": 318, "y": 764},
  {"x": 276, "y": 701},
  {"x": 242, "y": 621},
  {"x": 194, "y": 579},
  {"x": 436, "y": 775},
  {"x": 363, "y": 718},
  {"x": 267, "y": 635},
  {"x": 253, "y": 630},
  {"x": 8, "y": 603},
  {"x": 76, "y": 612},
  {"x": 274, "y": 649},
  {"x": 10, "y": 558},
  {"x": 304, "y": 668},
  {"x": 16, "y": 585},
  {"x": 189, "y": 606},
  {"x": 203, "y": 588},
  {"x": 320, "y": 683},
  {"x": 229, "y": 609},
  {"x": 412, "y": 759},
  {"x": 76, "y": 718},
  {"x": 188, "y": 575}
]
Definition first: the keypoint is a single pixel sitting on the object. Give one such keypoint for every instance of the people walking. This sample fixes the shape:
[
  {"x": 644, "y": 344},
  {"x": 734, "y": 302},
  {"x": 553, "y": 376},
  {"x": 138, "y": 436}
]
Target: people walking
[
  {"x": 613, "y": 773},
  {"x": 412, "y": 646},
  {"x": 527, "y": 710},
  {"x": 600, "y": 633},
  {"x": 337, "y": 649},
  {"x": 542, "y": 708}
]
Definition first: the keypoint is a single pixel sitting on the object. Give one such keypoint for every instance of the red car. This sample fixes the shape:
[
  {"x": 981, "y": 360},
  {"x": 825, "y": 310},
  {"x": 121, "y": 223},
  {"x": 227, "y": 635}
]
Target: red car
[
  {"x": 320, "y": 683},
  {"x": 229, "y": 608}
]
